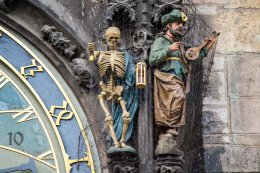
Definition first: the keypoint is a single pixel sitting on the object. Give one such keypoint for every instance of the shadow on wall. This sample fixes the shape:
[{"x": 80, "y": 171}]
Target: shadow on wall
[
  {"x": 191, "y": 137},
  {"x": 212, "y": 158}
]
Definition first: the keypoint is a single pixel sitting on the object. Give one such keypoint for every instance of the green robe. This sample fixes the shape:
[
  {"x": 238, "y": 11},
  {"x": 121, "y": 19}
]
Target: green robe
[
  {"x": 170, "y": 82},
  {"x": 160, "y": 51}
]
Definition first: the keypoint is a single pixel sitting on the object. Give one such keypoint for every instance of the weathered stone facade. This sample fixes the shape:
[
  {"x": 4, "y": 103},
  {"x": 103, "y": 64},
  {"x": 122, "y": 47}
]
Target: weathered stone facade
[
  {"x": 231, "y": 131},
  {"x": 223, "y": 128}
]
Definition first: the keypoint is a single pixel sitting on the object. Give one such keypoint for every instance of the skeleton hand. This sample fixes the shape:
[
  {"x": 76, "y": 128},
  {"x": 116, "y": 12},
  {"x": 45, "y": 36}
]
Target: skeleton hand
[{"x": 91, "y": 48}]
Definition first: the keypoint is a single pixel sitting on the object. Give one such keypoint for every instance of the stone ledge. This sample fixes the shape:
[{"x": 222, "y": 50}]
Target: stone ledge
[
  {"x": 216, "y": 139},
  {"x": 233, "y": 139},
  {"x": 246, "y": 139}
]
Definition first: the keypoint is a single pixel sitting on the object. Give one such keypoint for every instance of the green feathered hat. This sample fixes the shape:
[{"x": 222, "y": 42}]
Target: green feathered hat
[{"x": 174, "y": 16}]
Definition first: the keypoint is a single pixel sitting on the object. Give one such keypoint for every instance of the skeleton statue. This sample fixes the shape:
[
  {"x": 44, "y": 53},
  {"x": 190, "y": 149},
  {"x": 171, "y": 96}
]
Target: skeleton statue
[{"x": 117, "y": 73}]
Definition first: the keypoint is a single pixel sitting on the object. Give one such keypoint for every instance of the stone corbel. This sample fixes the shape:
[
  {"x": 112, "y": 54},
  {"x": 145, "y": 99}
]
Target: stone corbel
[
  {"x": 83, "y": 73},
  {"x": 60, "y": 43}
]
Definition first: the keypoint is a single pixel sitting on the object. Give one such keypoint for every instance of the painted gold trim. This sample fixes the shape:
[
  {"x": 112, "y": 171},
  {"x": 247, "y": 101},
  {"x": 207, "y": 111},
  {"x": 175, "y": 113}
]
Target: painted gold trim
[
  {"x": 28, "y": 155},
  {"x": 46, "y": 155},
  {"x": 61, "y": 89},
  {"x": 85, "y": 159}
]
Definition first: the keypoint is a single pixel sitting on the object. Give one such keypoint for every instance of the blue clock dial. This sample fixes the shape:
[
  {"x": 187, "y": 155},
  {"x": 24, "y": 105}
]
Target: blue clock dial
[
  {"x": 24, "y": 144},
  {"x": 41, "y": 127}
]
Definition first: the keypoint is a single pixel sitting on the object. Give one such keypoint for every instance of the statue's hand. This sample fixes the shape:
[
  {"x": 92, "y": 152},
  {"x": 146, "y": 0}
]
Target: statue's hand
[
  {"x": 175, "y": 46},
  {"x": 91, "y": 47},
  {"x": 212, "y": 42}
]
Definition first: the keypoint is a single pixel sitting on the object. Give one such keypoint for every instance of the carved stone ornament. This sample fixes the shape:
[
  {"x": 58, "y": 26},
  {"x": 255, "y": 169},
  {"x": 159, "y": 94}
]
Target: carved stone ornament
[
  {"x": 62, "y": 44},
  {"x": 115, "y": 5},
  {"x": 84, "y": 74},
  {"x": 142, "y": 41},
  {"x": 123, "y": 162},
  {"x": 171, "y": 1},
  {"x": 6, "y": 5},
  {"x": 168, "y": 158},
  {"x": 162, "y": 5}
]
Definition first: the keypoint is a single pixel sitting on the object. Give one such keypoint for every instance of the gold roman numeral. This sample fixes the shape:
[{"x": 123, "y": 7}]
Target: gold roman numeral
[
  {"x": 26, "y": 115},
  {"x": 64, "y": 114},
  {"x": 21, "y": 115},
  {"x": 48, "y": 155},
  {"x": 31, "y": 72},
  {"x": 73, "y": 161},
  {"x": 3, "y": 80}
]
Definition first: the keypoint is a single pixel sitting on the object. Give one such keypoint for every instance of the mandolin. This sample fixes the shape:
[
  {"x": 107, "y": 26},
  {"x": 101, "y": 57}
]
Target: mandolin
[{"x": 193, "y": 53}]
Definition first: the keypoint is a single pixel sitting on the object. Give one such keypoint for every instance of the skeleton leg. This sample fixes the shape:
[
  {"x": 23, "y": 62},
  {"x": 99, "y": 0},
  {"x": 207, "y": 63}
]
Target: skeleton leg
[
  {"x": 126, "y": 120},
  {"x": 108, "y": 119}
]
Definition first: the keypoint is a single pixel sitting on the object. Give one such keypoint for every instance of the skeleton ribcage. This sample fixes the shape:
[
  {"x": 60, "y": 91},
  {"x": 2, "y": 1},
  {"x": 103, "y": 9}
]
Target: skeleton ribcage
[{"x": 112, "y": 63}]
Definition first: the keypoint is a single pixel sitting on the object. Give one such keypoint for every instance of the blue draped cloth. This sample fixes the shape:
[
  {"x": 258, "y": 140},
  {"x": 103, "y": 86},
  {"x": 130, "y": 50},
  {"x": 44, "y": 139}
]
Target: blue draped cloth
[{"x": 131, "y": 97}]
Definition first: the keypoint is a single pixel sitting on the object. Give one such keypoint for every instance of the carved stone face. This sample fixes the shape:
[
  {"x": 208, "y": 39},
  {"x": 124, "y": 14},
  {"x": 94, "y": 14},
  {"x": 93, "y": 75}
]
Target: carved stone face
[{"x": 112, "y": 37}]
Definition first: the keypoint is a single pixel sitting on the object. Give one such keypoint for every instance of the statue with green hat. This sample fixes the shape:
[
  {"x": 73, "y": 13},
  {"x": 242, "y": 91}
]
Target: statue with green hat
[{"x": 171, "y": 70}]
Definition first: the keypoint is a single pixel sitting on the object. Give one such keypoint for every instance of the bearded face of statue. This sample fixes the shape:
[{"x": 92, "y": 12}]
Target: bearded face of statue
[
  {"x": 176, "y": 29},
  {"x": 112, "y": 37}
]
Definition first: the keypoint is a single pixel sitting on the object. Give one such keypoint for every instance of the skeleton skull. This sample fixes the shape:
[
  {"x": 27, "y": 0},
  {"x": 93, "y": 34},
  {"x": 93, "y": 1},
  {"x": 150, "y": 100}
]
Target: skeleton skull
[{"x": 112, "y": 37}]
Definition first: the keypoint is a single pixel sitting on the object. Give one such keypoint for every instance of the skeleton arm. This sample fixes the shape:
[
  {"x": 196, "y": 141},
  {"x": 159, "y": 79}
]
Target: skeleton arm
[{"x": 93, "y": 54}]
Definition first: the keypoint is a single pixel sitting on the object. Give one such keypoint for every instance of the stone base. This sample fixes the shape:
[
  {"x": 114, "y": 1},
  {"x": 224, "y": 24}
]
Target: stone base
[
  {"x": 123, "y": 162},
  {"x": 168, "y": 159},
  {"x": 169, "y": 163},
  {"x": 115, "y": 150}
]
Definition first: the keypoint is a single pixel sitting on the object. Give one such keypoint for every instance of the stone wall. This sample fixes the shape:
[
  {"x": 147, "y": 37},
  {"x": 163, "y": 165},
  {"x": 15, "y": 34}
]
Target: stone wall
[
  {"x": 230, "y": 122},
  {"x": 230, "y": 118}
]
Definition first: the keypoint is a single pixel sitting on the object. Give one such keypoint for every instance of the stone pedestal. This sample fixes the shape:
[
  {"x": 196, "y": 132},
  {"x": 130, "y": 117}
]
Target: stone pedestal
[
  {"x": 123, "y": 161},
  {"x": 167, "y": 157}
]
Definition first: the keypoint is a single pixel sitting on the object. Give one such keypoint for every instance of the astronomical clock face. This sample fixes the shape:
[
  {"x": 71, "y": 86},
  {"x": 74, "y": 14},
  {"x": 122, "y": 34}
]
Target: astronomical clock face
[{"x": 41, "y": 125}]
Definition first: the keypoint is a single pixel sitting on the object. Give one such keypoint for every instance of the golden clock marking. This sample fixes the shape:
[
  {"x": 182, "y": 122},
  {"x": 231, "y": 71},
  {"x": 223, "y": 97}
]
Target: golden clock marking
[
  {"x": 31, "y": 72},
  {"x": 70, "y": 162},
  {"x": 48, "y": 155},
  {"x": 3, "y": 80},
  {"x": 27, "y": 114},
  {"x": 62, "y": 113},
  {"x": 28, "y": 155}
]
